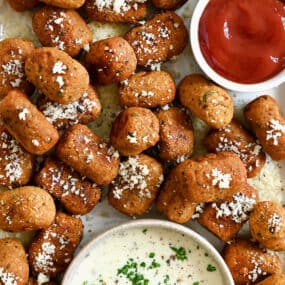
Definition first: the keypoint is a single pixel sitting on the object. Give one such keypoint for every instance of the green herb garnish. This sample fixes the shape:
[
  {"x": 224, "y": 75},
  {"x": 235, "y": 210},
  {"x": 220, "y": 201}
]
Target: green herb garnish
[
  {"x": 211, "y": 268},
  {"x": 144, "y": 231},
  {"x": 166, "y": 279},
  {"x": 196, "y": 283},
  {"x": 205, "y": 96},
  {"x": 151, "y": 255},
  {"x": 180, "y": 252}
]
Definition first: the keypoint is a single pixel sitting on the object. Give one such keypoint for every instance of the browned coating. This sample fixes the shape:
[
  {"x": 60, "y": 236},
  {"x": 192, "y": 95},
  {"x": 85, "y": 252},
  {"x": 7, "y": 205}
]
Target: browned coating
[
  {"x": 32, "y": 130},
  {"x": 87, "y": 153},
  {"x": 14, "y": 260},
  {"x": 275, "y": 279},
  {"x": 23, "y": 5},
  {"x": 259, "y": 113},
  {"x": 235, "y": 138},
  {"x": 64, "y": 236},
  {"x": 134, "y": 200},
  {"x": 267, "y": 225},
  {"x": 168, "y": 4},
  {"x": 63, "y": 86},
  {"x": 159, "y": 39},
  {"x": 247, "y": 261},
  {"x": 70, "y": 35},
  {"x": 198, "y": 180},
  {"x": 76, "y": 194},
  {"x": 110, "y": 60},
  {"x": 224, "y": 227},
  {"x": 13, "y": 53},
  {"x": 68, "y": 4},
  {"x": 109, "y": 15},
  {"x": 173, "y": 202},
  {"x": 149, "y": 89},
  {"x": 207, "y": 101},
  {"x": 25, "y": 209},
  {"x": 134, "y": 130},
  {"x": 176, "y": 134}
]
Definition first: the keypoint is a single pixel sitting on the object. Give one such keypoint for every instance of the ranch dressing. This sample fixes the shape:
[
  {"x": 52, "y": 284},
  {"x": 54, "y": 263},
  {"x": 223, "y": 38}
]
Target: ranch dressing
[{"x": 148, "y": 256}]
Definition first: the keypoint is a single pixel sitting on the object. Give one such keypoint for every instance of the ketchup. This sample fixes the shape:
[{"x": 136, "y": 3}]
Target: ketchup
[{"x": 244, "y": 40}]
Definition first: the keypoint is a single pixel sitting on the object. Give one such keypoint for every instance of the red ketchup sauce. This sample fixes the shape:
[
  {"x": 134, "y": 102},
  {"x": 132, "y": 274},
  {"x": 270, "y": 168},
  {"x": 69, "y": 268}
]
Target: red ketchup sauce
[{"x": 244, "y": 40}]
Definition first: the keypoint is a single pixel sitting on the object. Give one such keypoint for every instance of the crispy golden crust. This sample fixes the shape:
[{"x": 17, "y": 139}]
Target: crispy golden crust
[
  {"x": 207, "y": 101},
  {"x": 217, "y": 219},
  {"x": 16, "y": 165},
  {"x": 84, "y": 110},
  {"x": 13, "y": 261},
  {"x": 52, "y": 249},
  {"x": 58, "y": 76},
  {"x": 25, "y": 209},
  {"x": 87, "y": 153},
  {"x": 159, "y": 39},
  {"x": 137, "y": 185},
  {"x": 235, "y": 138},
  {"x": 13, "y": 53},
  {"x": 111, "y": 60},
  {"x": 67, "y": 4},
  {"x": 173, "y": 201},
  {"x": 27, "y": 124},
  {"x": 267, "y": 225},
  {"x": 23, "y": 5},
  {"x": 209, "y": 177},
  {"x": 265, "y": 118},
  {"x": 76, "y": 193},
  {"x": 176, "y": 134},
  {"x": 275, "y": 279},
  {"x": 105, "y": 14},
  {"x": 168, "y": 4},
  {"x": 60, "y": 28},
  {"x": 248, "y": 263},
  {"x": 134, "y": 130},
  {"x": 147, "y": 89}
]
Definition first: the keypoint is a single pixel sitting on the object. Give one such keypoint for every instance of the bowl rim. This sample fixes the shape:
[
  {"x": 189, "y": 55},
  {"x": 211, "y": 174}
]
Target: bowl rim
[
  {"x": 70, "y": 272},
  {"x": 211, "y": 73}
]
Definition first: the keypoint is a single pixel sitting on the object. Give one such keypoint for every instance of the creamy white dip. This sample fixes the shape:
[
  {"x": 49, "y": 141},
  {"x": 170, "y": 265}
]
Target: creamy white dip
[{"x": 148, "y": 256}]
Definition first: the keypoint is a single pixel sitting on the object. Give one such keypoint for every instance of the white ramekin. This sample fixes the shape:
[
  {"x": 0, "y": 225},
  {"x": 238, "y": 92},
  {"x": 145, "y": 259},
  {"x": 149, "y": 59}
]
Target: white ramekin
[
  {"x": 90, "y": 247},
  {"x": 212, "y": 74}
]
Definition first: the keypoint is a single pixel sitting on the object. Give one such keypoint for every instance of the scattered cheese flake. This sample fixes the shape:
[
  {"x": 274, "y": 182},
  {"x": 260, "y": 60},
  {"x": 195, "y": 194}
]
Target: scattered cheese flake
[
  {"x": 23, "y": 113},
  {"x": 274, "y": 223},
  {"x": 220, "y": 179},
  {"x": 275, "y": 131}
]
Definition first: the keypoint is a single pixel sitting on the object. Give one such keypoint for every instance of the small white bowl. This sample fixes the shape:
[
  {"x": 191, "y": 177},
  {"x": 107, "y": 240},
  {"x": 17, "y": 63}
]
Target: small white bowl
[
  {"x": 144, "y": 223},
  {"x": 211, "y": 73}
]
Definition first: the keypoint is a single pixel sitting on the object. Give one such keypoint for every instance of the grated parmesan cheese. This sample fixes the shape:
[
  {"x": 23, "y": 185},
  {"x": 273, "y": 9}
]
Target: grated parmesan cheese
[
  {"x": 23, "y": 114},
  {"x": 238, "y": 209},
  {"x": 118, "y": 6},
  {"x": 220, "y": 179},
  {"x": 132, "y": 137},
  {"x": 275, "y": 131},
  {"x": 132, "y": 175},
  {"x": 8, "y": 278},
  {"x": 274, "y": 223}
]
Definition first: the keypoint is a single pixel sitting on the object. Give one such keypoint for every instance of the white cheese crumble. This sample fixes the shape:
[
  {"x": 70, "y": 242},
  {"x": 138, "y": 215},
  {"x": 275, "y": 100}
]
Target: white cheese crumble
[
  {"x": 56, "y": 20},
  {"x": 274, "y": 223},
  {"x": 275, "y": 131},
  {"x": 35, "y": 142},
  {"x": 118, "y": 6},
  {"x": 132, "y": 137},
  {"x": 14, "y": 67},
  {"x": 238, "y": 209},
  {"x": 257, "y": 261},
  {"x": 132, "y": 175},
  {"x": 144, "y": 93},
  {"x": 23, "y": 114},
  {"x": 11, "y": 158},
  {"x": 198, "y": 211},
  {"x": 42, "y": 278},
  {"x": 44, "y": 259},
  {"x": 67, "y": 114},
  {"x": 220, "y": 179},
  {"x": 59, "y": 68},
  {"x": 8, "y": 278}
]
